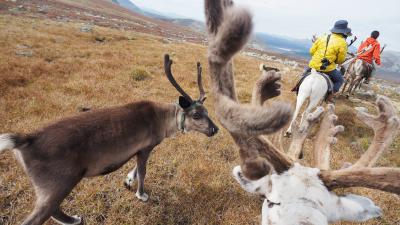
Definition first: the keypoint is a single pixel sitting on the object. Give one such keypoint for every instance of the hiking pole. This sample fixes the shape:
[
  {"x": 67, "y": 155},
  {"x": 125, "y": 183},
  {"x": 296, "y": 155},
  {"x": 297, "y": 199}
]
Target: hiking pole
[
  {"x": 352, "y": 41},
  {"x": 383, "y": 48}
]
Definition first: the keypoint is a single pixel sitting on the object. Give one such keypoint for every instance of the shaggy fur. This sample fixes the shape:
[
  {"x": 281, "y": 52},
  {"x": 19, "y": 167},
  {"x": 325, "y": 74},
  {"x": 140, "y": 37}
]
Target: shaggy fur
[
  {"x": 266, "y": 87},
  {"x": 300, "y": 195},
  {"x": 229, "y": 31}
]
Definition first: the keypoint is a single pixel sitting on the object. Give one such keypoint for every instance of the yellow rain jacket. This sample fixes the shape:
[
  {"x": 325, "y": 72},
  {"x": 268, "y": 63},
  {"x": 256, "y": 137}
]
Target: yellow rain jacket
[{"x": 336, "y": 52}]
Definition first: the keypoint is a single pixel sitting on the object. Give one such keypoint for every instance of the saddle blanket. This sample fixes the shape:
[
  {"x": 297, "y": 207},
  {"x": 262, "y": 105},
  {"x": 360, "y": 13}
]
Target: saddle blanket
[{"x": 327, "y": 79}]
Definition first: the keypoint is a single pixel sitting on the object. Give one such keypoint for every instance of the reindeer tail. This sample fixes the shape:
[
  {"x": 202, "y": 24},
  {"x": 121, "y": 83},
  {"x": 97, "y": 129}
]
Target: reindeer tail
[{"x": 12, "y": 141}]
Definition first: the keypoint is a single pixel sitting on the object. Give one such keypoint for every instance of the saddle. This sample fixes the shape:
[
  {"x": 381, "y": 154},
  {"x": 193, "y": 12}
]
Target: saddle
[{"x": 327, "y": 79}]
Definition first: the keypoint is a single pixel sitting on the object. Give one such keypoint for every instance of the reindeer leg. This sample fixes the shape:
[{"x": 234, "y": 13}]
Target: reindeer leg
[
  {"x": 353, "y": 85},
  {"x": 345, "y": 84},
  {"x": 142, "y": 158},
  {"x": 50, "y": 192},
  {"x": 130, "y": 178}
]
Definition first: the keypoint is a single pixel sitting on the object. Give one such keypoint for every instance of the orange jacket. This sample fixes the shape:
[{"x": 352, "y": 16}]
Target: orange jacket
[{"x": 372, "y": 54}]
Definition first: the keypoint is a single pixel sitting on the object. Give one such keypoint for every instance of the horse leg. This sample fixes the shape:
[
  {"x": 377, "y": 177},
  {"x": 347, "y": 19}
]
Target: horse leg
[
  {"x": 345, "y": 85},
  {"x": 314, "y": 102},
  {"x": 360, "y": 84},
  {"x": 301, "y": 98},
  {"x": 355, "y": 84}
]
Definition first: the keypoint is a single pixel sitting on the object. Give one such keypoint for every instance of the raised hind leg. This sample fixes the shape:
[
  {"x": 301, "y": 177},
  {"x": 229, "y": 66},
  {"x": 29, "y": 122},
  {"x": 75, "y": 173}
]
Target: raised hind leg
[
  {"x": 314, "y": 102},
  {"x": 50, "y": 192},
  {"x": 301, "y": 98}
]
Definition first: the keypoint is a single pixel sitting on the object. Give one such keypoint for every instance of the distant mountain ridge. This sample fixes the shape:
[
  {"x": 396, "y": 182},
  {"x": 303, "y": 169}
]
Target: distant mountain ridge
[
  {"x": 128, "y": 5},
  {"x": 175, "y": 19},
  {"x": 280, "y": 44}
]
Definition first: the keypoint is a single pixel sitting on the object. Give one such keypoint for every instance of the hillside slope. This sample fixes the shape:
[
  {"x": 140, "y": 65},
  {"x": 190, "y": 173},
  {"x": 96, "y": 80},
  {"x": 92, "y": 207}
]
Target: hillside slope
[{"x": 99, "y": 12}]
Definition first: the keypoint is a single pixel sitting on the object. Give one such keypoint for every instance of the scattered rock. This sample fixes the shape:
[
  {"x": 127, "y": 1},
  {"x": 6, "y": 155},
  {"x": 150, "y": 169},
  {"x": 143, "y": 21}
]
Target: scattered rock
[
  {"x": 130, "y": 38},
  {"x": 24, "y": 50},
  {"x": 43, "y": 9},
  {"x": 100, "y": 38},
  {"x": 354, "y": 100},
  {"x": 361, "y": 109},
  {"x": 23, "y": 46},
  {"x": 366, "y": 95},
  {"x": 25, "y": 53},
  {"x": 18, "y": 9},
  {"x": 84, "y": 109},
  {"x": 86, "y": 28},
  {"x": 21, "y": 8}
]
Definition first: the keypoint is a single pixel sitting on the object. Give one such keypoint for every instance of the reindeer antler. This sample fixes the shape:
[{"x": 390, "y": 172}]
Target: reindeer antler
[
  {"x": 168, "y": 71},
  {"x": 325, "y": 138},
  {"x": 352, "y": 41},
  {"x": 300, "y": 133},
  {"x": 200, "y": 83},
  {"x": 385, "y": 125},
  {"x": 229, "y": 29},
  {"x": 267, "y": 86}
]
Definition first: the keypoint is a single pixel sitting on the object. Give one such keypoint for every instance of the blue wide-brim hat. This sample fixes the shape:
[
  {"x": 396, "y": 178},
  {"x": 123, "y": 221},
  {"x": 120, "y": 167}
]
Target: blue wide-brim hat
[{"x": 341, "y": 27}]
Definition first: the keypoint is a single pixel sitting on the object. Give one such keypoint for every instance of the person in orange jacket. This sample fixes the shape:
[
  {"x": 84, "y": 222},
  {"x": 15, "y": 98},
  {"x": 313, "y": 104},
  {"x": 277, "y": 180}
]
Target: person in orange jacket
[{"x": 370, "y": 51}]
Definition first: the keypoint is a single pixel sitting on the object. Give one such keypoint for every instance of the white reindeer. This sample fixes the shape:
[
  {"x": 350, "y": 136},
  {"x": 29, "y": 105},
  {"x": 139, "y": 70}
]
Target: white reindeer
[{"x": 300, "y": 195}]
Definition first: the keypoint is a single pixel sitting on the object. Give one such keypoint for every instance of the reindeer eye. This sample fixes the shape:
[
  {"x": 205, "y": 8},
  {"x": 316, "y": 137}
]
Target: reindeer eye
[{"x": 196, "y": 116}]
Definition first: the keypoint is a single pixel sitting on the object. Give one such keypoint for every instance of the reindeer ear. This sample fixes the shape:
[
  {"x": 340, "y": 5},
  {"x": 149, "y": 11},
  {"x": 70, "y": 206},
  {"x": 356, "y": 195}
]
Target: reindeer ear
[
  {"x": 203, "y": 100},
  {"x": 184, "y": 103}
]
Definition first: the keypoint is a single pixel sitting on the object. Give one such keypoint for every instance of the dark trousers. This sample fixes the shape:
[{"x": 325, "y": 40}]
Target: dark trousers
[{"x": 335, "y": 75}]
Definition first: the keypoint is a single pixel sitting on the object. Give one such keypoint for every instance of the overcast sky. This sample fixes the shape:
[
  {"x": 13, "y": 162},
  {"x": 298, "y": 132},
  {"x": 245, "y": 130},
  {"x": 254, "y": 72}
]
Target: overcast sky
[{"x": 303, "y": 18}]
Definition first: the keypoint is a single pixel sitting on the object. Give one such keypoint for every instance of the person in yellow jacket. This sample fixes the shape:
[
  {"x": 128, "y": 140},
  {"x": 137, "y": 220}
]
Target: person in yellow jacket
[{"x": 329, "y": 50}]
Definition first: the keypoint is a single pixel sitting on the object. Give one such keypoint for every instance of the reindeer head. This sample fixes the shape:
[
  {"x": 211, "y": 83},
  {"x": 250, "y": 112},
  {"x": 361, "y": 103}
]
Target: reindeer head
[{"x": 194, "y": 116}]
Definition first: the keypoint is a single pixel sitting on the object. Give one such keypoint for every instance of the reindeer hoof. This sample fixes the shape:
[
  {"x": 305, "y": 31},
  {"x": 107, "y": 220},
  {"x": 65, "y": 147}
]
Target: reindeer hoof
[
  {"x": 127, "y": 185},
  {"x": 75, "y": 220},
  {"x": 78, "y": 220},
  {"x": 143, "y": 197},
  {"x": 130, "y": 178}
]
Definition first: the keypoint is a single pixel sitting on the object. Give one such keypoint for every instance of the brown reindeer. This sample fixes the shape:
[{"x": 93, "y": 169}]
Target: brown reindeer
[
  {"x": 99, "y": 142},
  {"x": 357, "y": 71},
  {"x": 294, "y": 194}
]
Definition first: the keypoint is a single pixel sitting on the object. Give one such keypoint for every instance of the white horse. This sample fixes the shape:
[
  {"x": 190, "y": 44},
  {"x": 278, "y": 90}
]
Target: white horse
[{"x": 314, "y": 87}]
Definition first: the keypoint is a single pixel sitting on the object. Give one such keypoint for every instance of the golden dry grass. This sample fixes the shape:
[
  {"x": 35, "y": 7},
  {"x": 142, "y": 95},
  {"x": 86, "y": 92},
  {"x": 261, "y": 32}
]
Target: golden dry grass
[{"x": 188, "y": 179}]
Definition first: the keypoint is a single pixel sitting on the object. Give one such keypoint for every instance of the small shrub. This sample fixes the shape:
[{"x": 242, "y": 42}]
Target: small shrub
[{"x": 140, "y": 74}]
